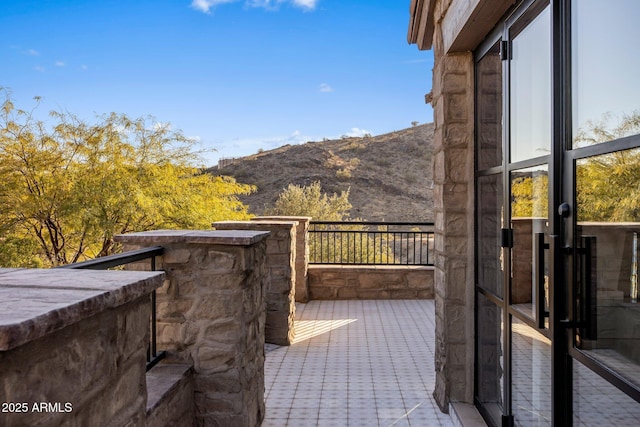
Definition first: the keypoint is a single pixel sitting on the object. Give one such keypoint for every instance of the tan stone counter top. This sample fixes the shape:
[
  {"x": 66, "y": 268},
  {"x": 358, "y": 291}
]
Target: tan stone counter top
[
  {"x": 212, "y": 237},
  {"x": 36, "y": 302}
]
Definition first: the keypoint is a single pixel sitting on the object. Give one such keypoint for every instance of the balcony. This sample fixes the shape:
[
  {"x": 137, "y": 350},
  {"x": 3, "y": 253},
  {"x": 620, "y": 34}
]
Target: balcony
[
  {"x": 73, "y": 344},
  {"x": 356, "y": 363}
]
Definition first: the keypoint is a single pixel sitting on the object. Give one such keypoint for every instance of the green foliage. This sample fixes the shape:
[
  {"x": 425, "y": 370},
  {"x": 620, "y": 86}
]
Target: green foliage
[
  {"x": 530, "y": 196},
  {"x": 353, "y": 246},
  {"x": 608, "y": 186},
  {"x": 20, "y": 252},
  {"x": 72, "y": 186},
  {"x": 350, "y": 244},
  {"x": 311, "y": 201}
]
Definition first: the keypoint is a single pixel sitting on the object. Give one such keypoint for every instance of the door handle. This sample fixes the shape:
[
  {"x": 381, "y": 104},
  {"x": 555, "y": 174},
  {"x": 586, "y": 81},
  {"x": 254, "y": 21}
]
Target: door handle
[
  {"x": 587, "y": 293},
  {"x": 540, "y": 307}
]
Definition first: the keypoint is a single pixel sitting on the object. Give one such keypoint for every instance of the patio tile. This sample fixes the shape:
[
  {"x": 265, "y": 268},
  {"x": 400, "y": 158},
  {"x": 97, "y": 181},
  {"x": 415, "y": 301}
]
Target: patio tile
[{"x": 370, "y": 364}]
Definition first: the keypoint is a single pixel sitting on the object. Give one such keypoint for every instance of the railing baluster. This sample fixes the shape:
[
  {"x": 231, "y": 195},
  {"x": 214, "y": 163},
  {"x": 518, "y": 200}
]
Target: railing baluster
[{"x": 373, "y": 243}]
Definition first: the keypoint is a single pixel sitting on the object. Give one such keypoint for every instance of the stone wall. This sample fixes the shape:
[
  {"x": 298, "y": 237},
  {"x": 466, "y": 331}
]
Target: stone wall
[
  {"x": 330, "y": 282},
  {"x": 211, "y": 313},
  {"x": 302, "y": 251},
  {"x": 453, "y": 108},
  {"x": 280, "y": 294},
  {"x": 458, "y": 27},
  {"x": 170, "y": 396},
  {"x": 73, "y": 346}
]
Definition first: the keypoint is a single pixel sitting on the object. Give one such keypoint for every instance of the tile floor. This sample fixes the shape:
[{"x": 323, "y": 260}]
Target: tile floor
[{"x": 355, "y": 363}]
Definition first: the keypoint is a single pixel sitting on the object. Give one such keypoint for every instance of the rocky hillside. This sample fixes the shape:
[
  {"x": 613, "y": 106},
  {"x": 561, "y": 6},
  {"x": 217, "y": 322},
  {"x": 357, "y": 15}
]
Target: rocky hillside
[{"x": 389, "y": 176}]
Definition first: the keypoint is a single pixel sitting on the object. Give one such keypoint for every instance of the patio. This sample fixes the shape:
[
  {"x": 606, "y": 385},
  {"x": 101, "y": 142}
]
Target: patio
[{"x": 356, "y": 363}]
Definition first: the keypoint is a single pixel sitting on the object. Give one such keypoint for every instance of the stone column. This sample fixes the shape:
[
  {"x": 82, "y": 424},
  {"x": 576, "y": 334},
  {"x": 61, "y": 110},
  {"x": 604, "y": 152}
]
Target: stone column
[
  {"x": 452, "y": 101},
  {"x": 280, "y": 294},
  {"x": 302, "y": 252},
  {"x": 211, "y": 313}
]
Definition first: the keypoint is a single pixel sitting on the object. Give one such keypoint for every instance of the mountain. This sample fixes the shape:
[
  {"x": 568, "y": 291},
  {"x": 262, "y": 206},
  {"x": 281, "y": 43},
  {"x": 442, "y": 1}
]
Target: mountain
[{"x": 389, "y": 176}]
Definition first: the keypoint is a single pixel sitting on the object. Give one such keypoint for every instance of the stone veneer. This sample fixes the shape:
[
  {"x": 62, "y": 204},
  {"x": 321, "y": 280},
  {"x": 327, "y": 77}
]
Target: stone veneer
[
  {"x": 302, "y": 252},
  {"x": 453, "y": 171},
  {"x": 74, "y": 341},
  {"x": 211, "y": 313},
  {"x": 331, "y": 282},
  {"x": 170, "y": 395},
  {"x": 280, "y": 293},
  {"x": 452, "y": 29}
]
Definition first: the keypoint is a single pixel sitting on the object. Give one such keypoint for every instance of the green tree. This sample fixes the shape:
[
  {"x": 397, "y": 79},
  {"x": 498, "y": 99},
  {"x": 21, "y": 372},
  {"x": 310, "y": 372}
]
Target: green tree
[
  {"x": 342, "y": 243},
  {"x": 530, "y": 195},
  {"x": 608, "y": 186},
  {"x": 70, "y": 186},
  {"x": 311, "y": 201}
]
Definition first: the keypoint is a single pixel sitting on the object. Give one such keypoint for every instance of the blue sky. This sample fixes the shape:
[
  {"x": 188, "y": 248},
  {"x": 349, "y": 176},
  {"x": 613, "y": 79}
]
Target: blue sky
[{"x": 239, "y": 75}]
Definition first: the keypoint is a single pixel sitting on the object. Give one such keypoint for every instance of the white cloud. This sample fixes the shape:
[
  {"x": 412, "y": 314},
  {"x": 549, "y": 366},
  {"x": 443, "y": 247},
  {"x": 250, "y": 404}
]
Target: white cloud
[
  {"x": 39, "y": 68},
  {"x": 206, "y": 5},
  {"x": 60, "y": 64},
  {"x": 84, "y": 67},
  {"x": 273, "y": 4},
  {"x": 358, "y": 132},
  {"x": 324, "y": 87},
  {"x": 307, "y": 4},
  {"x": 31, "y": 52}
]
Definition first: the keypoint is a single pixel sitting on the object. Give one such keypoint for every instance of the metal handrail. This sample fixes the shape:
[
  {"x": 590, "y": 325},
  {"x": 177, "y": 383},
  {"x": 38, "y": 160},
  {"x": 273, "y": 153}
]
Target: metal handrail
[
  {"x": 110, "y": 261},
  {"x": 371, "y": 243}
]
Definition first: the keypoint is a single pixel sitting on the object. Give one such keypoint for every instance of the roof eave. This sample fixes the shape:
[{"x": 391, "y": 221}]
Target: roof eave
[{"x": 421, "y": 23}]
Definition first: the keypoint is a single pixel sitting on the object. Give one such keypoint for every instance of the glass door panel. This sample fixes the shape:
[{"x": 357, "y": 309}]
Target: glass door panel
[
  {"x": 531, "y": 372},
  {"x": 530, "y": 88},
  {"x": 529, "y": 287},
  {"x": 489, "y": 108},
  {"x": 597, "y": 403},
  {"x": 607, "y": 235},
  {"x": 600, "y": 111},
  {"x": 490, "y": 224}
]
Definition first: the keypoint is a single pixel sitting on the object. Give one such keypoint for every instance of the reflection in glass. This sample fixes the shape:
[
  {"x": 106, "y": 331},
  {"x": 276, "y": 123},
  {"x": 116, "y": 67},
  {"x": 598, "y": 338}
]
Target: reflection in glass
[
  {"x": 531, "y": 90},
  {"x": 490, "y": 223},
  {"x": 608, "y": 187},
  {"x": 489, "y": 109},
  {"x": 531, "y": 371},
  {"x": 529, "y": 212},
  {"x": 608, "y": 213},
  {"x": 490, "y": 358},
  {"x": 605, "y": 87},
  {"x": 597, "y": 403}
]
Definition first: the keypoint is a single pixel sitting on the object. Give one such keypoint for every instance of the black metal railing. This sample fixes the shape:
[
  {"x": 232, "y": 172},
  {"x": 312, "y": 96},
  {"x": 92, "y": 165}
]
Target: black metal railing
[
  {"x": 106, "y": 262},
  {"x": 371, "y": 243}
]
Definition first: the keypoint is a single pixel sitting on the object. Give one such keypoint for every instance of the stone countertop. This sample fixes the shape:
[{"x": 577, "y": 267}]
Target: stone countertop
[
  {"x": 36, "y": 302},
  {"x": 211, "y": 237}
]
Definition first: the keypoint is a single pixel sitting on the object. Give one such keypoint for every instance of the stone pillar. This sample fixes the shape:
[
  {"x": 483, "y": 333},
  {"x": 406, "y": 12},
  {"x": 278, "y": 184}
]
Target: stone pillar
[
  {"x": 302, "y": 252},
  {"x": 73, "y": 346},
  {"x": 211, "y": 313},
  {"x": 280, "y": 294},
  {"x": 452, "y": 101}
]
